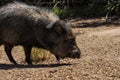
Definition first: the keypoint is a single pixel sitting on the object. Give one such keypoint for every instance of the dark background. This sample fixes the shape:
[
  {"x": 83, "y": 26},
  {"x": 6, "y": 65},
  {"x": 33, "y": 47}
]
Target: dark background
[{"x": 76, "y": 8}]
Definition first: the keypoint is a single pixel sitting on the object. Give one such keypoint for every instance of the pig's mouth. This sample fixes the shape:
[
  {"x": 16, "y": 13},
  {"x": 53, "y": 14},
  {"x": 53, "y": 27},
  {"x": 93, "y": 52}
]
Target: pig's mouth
[
  {"x": 74, "y": 54},
  {"x": 71, "y": 55}
]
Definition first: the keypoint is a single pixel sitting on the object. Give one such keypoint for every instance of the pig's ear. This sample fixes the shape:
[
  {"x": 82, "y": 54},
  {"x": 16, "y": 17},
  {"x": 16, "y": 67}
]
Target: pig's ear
[{"x": 58, "y": 27}]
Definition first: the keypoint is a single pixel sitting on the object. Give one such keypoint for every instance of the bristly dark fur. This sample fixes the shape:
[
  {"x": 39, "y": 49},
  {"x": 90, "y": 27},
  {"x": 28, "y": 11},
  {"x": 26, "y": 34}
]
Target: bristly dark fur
[{"x": 35, "y": 13}]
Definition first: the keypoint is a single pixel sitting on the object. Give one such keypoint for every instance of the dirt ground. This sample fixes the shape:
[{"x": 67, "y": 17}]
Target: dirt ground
[{"x": 100, "y": 47}]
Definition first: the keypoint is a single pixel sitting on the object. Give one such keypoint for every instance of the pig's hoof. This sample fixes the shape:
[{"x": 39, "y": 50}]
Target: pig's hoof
[
  {"x": 30, "y": 64},
  {"x": 15, "y": 63}
]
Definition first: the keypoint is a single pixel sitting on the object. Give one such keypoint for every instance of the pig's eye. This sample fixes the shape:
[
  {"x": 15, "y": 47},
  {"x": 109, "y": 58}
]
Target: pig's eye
[
  {"x": 65, "y": 40},
  {"x": 71, "y": 40}
]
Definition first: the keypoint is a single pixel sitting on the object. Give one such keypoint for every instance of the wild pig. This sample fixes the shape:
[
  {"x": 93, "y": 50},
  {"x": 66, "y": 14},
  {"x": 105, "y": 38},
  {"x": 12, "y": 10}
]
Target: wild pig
[{"x": 29, "y": 26}]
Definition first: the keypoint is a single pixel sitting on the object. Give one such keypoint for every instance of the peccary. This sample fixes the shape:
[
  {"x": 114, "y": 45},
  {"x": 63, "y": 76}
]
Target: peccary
[{"x": 29, "y": 26}]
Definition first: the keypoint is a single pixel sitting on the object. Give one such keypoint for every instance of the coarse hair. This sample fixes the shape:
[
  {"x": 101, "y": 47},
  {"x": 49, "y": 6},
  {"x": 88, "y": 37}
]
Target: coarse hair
[{"x": 43, "y": 15}]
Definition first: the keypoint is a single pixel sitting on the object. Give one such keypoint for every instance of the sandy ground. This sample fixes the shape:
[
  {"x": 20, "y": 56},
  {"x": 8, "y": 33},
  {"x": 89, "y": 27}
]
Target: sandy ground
[{"x": 100, "y": 47}]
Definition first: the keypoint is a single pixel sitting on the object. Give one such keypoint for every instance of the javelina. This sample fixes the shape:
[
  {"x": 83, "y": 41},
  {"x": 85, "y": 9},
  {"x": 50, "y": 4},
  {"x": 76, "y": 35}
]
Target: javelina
[{"x": 29, "y": 26}]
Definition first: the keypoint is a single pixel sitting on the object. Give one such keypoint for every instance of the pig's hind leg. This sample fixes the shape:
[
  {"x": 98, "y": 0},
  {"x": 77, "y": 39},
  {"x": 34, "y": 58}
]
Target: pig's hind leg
[{"x": 8, "y": 48}]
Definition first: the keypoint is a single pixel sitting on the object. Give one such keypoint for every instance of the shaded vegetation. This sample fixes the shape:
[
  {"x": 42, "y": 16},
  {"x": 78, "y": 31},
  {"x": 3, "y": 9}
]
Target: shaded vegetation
[
  {"x": 76, "y": 8},
  {"x": 113, "y": 7}
]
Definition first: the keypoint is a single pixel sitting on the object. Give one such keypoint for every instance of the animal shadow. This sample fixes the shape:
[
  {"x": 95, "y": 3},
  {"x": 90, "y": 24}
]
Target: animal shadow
[{"x": 12, "y": 66}]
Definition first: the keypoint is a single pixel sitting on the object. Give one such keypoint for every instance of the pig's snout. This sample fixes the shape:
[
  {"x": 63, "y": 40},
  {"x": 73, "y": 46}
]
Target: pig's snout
[{"x": 75, "y": 53}]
